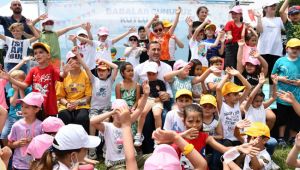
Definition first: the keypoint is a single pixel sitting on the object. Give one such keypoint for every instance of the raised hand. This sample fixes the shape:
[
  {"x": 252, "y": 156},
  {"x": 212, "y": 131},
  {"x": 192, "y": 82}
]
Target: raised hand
[
  {"x": 72, "y": 37},
  {"x": 67, "y": 67},
  {"x": 243, "y": 124},
  {"x": 186, "y": 68},
  {"x": 156, "y": 17},
  {"x": 146, "y": 87},
  {"x": 274, "y": 79},
  {"x": 178, "y": 10},
  {"x": 131, "y": 30},
  {"x": 27, "y": 58},
  {"x": 241, "y": 42},
  {"x": 75, "y": 50},
  {"x": 189, "y": 21},
  {"x": 254, "y": 53},
  {"x": 88, "y": 26},
  {"x": 249, "y": 149},
  {"x": 261, "y": 78},
  {"x": 29, "y": 22},
  {"x": 164, "y": 136},
  {"x": 231, "y": 71},
  {"x": 257, "y": 14},
  {"x": 286, "y": 96},
  {"x": 214, "y": 69},
  {"x": 43, "y": 16},
  {"x": 124, "y": 114},
  {"x": 190, "y": 134}
]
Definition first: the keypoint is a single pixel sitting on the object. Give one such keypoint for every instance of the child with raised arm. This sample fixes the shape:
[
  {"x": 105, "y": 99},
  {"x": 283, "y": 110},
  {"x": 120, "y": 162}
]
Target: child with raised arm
[
  {"x": 17, "y": 47},
  {"x": 115, "y": 157},
  {"x": 229, "y": 108},
  {"x": 292, "y": 159}
]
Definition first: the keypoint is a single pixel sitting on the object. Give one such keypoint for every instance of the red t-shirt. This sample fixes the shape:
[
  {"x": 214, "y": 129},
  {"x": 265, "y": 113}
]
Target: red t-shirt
[
  {"x": 235, "y": 31},
  {"x": 164, "y": 42},
  {"x": 43, "y": 81}
]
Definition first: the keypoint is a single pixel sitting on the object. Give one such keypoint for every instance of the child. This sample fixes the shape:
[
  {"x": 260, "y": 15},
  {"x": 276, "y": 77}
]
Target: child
[
  {"x": 213, "y": 79},
  {"x": 51, "y": 125},
  {"x": 43, "y": 77},
  {"x": 128, "y": 89},
  {"x": 291, "y": 21},
  {"x": 25, "y": 129},
  {"x": 103, "y": 44},
  {"x": 257, "y": 134},
  {"x": 199, "y": 47},
  {"x": 112, "y": 131},
  {"x": 197, "y": 89},
  {"x": 292, "y": 158},
  {"x": 17, "y": 48},
  {"x": 159, "y": 35},
  {"x": 133, "y": 52},
  {"x": 288, "y": 70},
  {"x": 153, "y": 103},
  {"x": 233, "y": 30},
  {"x": 174, "y": 118},
  {"x": 229, "y": 108},
  {"x": 290, "y": 98}
]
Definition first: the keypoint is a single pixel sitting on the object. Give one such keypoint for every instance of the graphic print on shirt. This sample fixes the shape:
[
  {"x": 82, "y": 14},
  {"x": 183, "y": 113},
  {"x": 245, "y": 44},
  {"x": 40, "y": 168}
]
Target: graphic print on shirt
[
  {"x": 201, "y": 50},
  {"x": 117, "y": 134},
  {"x": 102, "y": 92},
  {"x": 230, "y": 119},
  {"x": 43, "y": 79},
  {"x": 16, "y": 50},
  {"x": 102, "y": 47}
]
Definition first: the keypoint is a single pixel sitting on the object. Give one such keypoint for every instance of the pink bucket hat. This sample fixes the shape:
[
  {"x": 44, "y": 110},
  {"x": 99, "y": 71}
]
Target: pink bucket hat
[
  {"x": 102, "y": 31},
  {"x": 52, "y": 124},
  {"x": 178, "y": 64},
  {"x": 236, "y": 9},
  {"x": 163, "y": 157},
  {"x": 33, "y": 99},
  {"x": 39, "y": 145},
  {"x": 118, "y": 103},
  {"x": 252, "y": 60}
]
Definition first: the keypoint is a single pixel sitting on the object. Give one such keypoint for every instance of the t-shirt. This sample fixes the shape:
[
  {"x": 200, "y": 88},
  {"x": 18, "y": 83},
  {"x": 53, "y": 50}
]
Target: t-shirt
[
  {"x": 164, "y": 42},
  {"x": 16, "y": 50},
  {"x": 270, "y": 41},
  {"x": 229, "y": 117},
  {"x": 263, "y": 157},
  {"x": 155, "y": 87},
  {"x": 256, "y": 114},
  {"x": 74, "y": 88},
  {"x": 292, "y": 30},
  {"x": 212, "y": 52},
  {"x": 101, "y": 93},
  {"x": 60, "y": 166},
  {"x": 178, "y": 84},
  {"x": 43, "y": 81},
  {"x": 144, "y": 56},
  {"x": 20, "y": 130},
  {"x": 174, "y": 122},
  {"x": 172, "y": 48},
  {"x": 14, "y": 109},
  {"x": 2, "y": 93},
  {"x": 199, "y": 51},
  {"x": 251, "y": 78},
  {"x": 291, "y": 69},
  {"x": 236, "y": 31},
  {"x": 103, "y": 49},
  {"x": 134, "y": 56},
  {"x": 51, "y": 38},
  {"x": 212, "y": 78},
  {"x": 211, "y": 127},
  {"x": 89, "y": 54}
]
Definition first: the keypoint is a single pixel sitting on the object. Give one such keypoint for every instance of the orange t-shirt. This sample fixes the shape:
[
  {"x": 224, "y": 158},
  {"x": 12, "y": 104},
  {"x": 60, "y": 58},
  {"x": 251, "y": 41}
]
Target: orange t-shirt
[{"x": 164, "y": 42}]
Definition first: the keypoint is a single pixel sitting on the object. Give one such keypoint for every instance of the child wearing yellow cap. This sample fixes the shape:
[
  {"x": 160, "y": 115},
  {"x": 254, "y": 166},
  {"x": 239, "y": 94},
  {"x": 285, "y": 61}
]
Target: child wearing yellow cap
[
  {"x": 288, "y": 70},
  {"x": 229, "y": 108}
]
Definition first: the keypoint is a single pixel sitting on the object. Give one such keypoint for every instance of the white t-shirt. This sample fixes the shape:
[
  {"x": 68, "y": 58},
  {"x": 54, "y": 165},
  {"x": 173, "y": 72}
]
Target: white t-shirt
[
  {"x": 60, "y": 166},
  {"x": 229, "y": 117},
  {"x": 101, "y": 93},
  {"x": 270, "y": 41},
  {"x": 113, "y": 142},
  {"x": 134, "y": 56},
  {"x": 172, "y": 48},
  {"x": 103, "y": 49},
  {"x": 199, "y": 51},
  {"x": 211, "y": 127},
  {"x": 263, "y": 157},
  {"x": 16, "y": 49},
  {"x": 174, "y": 122},
  {"x": 89, "y": 55},
  {"x": 256, "y": 114},
  {"x": 212, "y": 78}
]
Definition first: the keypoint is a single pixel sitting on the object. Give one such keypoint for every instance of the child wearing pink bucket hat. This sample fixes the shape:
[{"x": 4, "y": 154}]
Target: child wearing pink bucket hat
[
  {"x": 51, "y": 125},
  {"x": 25, "y": 129}
]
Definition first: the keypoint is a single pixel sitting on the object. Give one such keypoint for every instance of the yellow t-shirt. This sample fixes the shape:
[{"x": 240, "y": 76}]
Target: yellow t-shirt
[{"x": 74, "y": 88}]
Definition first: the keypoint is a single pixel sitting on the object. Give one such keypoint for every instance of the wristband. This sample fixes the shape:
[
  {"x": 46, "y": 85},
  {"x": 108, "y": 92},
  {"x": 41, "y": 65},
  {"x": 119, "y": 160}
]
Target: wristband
[
  {"x": 231, "y": 155},
  {"x": 188, "y": 149}
]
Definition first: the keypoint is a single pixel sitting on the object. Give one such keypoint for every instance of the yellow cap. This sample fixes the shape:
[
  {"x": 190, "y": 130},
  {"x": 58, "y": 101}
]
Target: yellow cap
[
  {"x": 166, "y": 23},
  {"x": 212, "y": 26},
  {"x": 230, "y": 87},
  {"x": 183, "y": 92},
  {"x": 294, "y": 42},
  {"x": 258, "y": 129},
  {"x": 39, "y": 44},
  {"x": 208, "y": 99}
]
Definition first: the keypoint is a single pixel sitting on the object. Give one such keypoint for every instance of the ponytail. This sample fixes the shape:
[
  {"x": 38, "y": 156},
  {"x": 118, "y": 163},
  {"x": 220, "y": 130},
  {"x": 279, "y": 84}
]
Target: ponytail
[{"x": 46, "y": 162}]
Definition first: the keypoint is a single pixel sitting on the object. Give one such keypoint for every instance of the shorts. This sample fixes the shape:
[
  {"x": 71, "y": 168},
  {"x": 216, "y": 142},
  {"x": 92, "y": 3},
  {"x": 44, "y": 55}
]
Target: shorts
[
  {"x": 7, "y": 127},
  {"x": 270, "y": 59},
  {"x": 230, "y": 55},
  {"x": 286, "y": 116},
  {"x": 153, "y": 104},
  {"x": 96, "y": 112}
]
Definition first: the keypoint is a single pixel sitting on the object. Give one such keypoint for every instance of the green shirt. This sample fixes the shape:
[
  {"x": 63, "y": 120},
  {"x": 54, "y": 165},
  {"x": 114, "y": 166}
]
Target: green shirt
[
  {"x": 51, "y": 39},
  {"x": 292, "y": 30}
]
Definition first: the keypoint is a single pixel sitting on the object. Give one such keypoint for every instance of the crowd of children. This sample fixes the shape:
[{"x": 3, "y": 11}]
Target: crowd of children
[{"x": 210, "y": 112}]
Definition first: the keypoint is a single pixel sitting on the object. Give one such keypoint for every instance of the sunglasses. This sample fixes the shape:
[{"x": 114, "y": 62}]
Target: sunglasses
[
  {"x": 133, "y": 39},
  {"x": 158, "y": 30}
]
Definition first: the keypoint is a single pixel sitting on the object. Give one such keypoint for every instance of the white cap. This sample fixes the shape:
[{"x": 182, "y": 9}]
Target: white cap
[
  {"x": 82, "y": 31},
  {"x": 270, "y": 3},
  {"x": 73, "y": 136},
  {"x": 151, "y": 67}
]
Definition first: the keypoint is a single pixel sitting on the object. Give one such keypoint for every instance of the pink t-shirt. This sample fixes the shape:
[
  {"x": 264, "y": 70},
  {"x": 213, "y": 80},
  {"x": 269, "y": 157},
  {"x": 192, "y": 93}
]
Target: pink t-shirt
[{"x": 2, "y": 93}]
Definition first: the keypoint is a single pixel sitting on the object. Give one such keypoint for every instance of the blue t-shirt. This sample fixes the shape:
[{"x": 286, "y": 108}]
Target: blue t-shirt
[
  {"x": 291, "y": 69},
  {"x": 13, "y": 109},
  {"x": 178, "y": 84},
  {"x": 212, "y": 52}
]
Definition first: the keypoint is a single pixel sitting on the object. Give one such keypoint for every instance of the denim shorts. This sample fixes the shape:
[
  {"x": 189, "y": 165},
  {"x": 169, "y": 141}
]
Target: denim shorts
[{"x": 7, "y": 127}]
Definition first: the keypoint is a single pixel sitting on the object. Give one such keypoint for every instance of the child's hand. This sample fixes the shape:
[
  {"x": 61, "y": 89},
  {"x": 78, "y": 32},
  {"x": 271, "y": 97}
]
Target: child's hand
[
  {"x": 207, "y": 21},
  {"x": 146, "y": 87},
  {"x": 189, "y": 21},
  {"x": 156, "y": 17},
  {"x": 124, "y": 114},
  {"x": 72, "y": 37},
  {"x": 295, "y": 82},
  {"x": 248, "y": 149},
  {"x": 15, "y": 87},
  {"x": 27, "y": 58},
  {"x": 4, "y": 75},
  {"x": 243, "y": 124},
  {"x": 178, "y": 10},
  {"x": 185, "y": 69},
  {"x": 261, "y": 78},
  {"x": 274, "y": 79},
  {"x": 229, "y": 37},
  {"x": 88, "y": 26},
  {"x": 43, "y": 16},
  {"x": 67, "y": 67},
  {"x": 254, "y": 53},
  {"x": 257, "y": 14},
  {"x": 22, "y": 142},
  {"x": 241, "y": 42},
  {"x": 75, "y": 50},
  {"x": 284, "y": 79},
  {"x": 131, "y": 30},
  {"x": 29, "y": 22},
  {"x": 231, "y": 71},
  {"x": 214, "y": 69},
  {"x": 164, "y": 136},
  {"x": 71, "y": 106},
  {"x": 190, "y": 134},
  {"x": 286, "y": 96}
]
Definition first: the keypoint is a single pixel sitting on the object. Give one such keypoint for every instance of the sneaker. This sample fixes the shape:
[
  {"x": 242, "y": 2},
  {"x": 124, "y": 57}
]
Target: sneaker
[
  {"x": 282, "y": 143},
  {"x": 138, "y": 140},
  {"x": 92, "y": 154}
]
